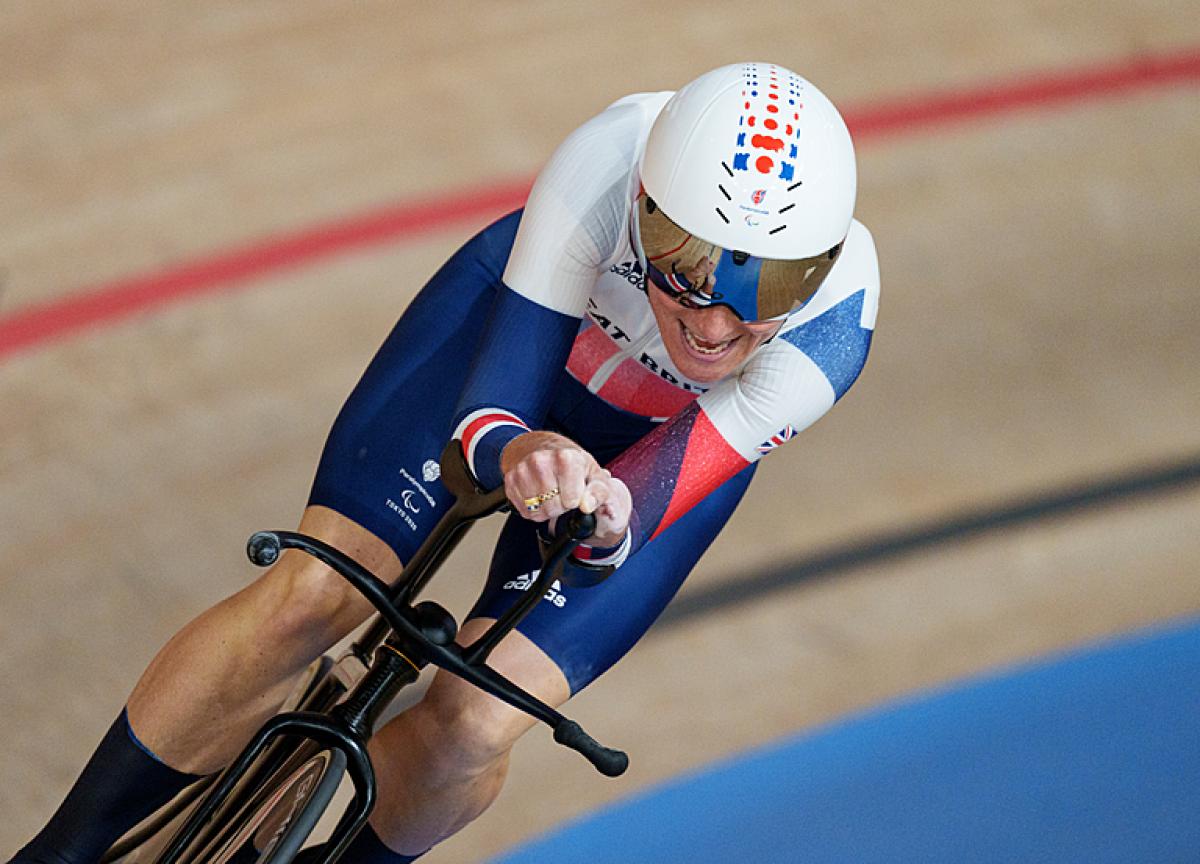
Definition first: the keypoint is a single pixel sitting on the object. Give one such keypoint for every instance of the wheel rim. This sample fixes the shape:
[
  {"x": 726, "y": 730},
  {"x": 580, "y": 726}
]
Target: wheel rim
[{"x": 277, "y": 812}]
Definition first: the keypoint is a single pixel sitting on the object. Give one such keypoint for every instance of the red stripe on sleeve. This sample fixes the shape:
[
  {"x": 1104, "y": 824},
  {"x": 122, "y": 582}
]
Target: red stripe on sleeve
[{"x": 480, "y": 422}]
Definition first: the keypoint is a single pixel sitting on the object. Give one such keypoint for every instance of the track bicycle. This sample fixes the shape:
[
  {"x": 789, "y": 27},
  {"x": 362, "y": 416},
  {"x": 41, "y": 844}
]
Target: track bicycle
[{"x": 264, "y": 806}]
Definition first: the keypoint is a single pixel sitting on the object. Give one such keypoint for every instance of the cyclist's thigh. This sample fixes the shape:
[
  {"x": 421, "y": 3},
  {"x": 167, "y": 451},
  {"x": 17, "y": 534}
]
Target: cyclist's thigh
[
  {"x": 586, "y": 630},
  {"x": 379, "y": 467}
]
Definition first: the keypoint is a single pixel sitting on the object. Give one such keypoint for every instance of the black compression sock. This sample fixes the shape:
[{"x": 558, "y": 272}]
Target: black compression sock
[
  {"x": 121, "y": 785},
  {"x": 366, "y": 848}
]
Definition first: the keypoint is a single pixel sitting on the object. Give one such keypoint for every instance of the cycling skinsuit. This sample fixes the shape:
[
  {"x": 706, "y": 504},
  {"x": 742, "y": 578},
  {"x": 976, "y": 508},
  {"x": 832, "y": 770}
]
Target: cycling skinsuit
[{"x": 541, "y": 322}]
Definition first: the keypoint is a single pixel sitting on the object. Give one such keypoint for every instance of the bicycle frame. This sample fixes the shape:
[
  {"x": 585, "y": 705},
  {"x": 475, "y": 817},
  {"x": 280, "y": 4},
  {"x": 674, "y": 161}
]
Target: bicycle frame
[{"x": 395, "y": 648}]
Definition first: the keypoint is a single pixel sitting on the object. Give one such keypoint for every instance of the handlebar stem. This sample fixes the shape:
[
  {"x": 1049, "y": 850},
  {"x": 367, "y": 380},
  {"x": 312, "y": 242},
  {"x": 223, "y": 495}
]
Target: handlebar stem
[{"x": 579, "y": 526}]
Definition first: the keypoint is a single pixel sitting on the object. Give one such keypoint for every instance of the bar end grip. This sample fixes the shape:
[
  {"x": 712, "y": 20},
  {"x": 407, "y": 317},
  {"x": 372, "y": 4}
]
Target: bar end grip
[
  {"x": 609, "y": 762},
  {"x": 263, "y": 548}
]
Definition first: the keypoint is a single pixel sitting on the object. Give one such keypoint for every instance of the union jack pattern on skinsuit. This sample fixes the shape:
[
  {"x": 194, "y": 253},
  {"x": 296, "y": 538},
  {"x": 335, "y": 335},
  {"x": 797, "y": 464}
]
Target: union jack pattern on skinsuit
[{"x": 785, "y": 434}]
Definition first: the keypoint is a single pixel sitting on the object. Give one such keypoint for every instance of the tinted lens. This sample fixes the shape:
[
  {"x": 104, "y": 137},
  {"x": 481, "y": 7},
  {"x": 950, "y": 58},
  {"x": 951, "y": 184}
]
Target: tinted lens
[{"x": 755, "y": 289}]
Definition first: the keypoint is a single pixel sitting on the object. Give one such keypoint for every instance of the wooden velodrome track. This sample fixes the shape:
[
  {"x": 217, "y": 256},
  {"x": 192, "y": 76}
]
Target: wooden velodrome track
[{"x": 1038, "y": 334}]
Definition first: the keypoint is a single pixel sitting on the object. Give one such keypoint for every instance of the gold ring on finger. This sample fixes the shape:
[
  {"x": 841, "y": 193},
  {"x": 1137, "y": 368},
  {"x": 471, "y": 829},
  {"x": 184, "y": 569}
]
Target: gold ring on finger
[{"x": 535, "y": 503}]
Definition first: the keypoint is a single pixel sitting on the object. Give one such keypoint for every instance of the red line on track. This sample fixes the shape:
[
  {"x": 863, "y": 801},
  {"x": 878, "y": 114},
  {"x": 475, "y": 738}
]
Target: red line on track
[
  {"x": 1033, "y": 92},
  {"x": 107, "y": 304},
  {"x": 112, "y": 302}
]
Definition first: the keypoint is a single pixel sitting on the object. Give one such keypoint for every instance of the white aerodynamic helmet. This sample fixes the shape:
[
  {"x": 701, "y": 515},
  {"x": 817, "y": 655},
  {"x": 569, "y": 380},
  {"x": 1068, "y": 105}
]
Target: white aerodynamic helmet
[{"x": 754, "y": 161}]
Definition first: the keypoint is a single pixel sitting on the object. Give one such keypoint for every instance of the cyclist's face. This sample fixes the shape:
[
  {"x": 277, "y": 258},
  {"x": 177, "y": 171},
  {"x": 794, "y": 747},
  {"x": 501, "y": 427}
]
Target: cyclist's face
[{"x": 706, "y": 344}]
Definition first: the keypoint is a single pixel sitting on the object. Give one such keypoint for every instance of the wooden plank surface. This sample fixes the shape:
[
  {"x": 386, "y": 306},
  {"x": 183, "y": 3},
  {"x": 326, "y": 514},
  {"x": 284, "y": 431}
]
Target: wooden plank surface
[{"x": 1037, "y": 329}]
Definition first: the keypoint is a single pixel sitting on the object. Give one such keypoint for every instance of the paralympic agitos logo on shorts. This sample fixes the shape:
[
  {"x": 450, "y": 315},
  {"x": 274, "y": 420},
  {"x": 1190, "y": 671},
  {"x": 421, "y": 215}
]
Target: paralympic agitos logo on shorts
[{"x": 410, "y": 499}]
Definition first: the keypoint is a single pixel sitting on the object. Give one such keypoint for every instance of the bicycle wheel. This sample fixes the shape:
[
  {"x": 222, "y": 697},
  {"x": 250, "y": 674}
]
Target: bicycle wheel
[{"x": 281, "y": 814}]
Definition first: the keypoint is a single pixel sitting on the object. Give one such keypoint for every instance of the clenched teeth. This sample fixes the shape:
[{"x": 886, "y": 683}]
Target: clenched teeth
[{"x": 702, "y": 347}]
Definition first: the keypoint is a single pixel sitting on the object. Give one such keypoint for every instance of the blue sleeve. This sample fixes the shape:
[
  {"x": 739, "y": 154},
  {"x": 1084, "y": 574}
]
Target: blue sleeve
[{"x": 521, "y": 353}]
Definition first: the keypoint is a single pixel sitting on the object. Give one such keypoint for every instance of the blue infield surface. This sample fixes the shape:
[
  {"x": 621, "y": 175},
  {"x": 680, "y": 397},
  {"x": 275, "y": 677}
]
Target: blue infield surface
[{"x": 1088, "y": 757}]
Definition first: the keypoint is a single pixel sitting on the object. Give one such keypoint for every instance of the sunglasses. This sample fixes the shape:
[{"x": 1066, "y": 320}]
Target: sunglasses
[{"x": 698, "y": 274}]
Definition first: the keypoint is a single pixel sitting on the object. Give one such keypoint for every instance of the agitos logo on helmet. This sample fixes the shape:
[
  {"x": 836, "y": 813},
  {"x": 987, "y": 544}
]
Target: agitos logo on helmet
[{"x": 751, "y": 138}]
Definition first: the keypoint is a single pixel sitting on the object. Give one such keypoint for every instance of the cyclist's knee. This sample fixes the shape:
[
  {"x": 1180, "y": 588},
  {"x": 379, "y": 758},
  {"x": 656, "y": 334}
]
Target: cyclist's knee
[
  {"x": 305, "y": 599},
  {"x": 481, "y": 729},
  {"x": 441, "y": 763},
  {"x": 468, "y": 727}
]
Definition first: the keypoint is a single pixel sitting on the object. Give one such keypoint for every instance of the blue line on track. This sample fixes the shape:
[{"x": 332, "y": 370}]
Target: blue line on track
[{"x": 1087, "y": 758}]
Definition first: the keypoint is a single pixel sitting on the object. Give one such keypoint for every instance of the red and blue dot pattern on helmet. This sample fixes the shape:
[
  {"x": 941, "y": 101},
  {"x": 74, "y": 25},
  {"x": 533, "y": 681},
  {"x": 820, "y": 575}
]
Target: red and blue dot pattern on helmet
[
  {"x": 768, "y": 127},
  {"x": 751, "y": 156}
]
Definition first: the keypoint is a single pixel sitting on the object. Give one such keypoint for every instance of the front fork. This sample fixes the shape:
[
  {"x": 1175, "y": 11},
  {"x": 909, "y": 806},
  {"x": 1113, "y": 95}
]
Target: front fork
[{"x": 346, "y": 728}]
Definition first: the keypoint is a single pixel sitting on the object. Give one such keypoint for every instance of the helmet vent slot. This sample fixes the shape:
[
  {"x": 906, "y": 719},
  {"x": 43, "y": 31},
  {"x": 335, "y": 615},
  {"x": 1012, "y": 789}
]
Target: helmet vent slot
[
  {"x": 795, "y": 185},
  {"x": 728, "y": 170},
  {"x": 728, "y": 197},
  {"x": 787, "y": 208},
  {"x": 776, "y": 230},
  {"x": 722, "y": 215}
]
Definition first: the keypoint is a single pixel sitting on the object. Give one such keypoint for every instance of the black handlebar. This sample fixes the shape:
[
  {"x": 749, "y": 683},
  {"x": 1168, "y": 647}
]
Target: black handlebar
[
  {"x": 577, "y": 525},
  {"x": 469, "y": 662}
]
